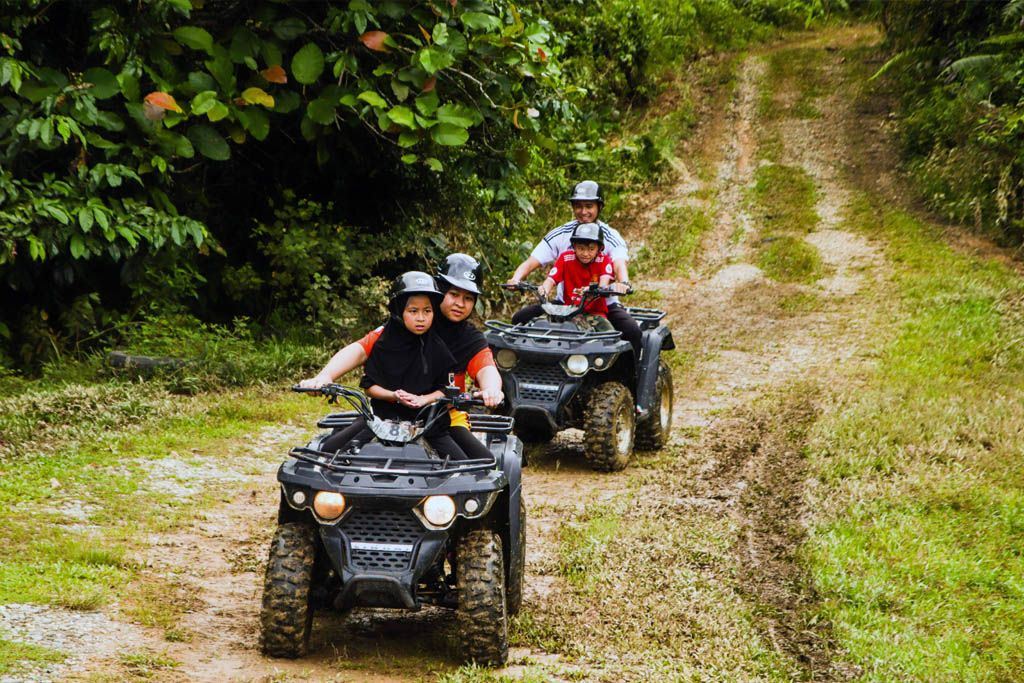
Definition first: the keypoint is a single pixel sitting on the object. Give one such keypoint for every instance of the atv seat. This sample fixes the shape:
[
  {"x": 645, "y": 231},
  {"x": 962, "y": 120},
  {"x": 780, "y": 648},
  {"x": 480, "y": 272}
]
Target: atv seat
[{"x": 646, "y": 318}]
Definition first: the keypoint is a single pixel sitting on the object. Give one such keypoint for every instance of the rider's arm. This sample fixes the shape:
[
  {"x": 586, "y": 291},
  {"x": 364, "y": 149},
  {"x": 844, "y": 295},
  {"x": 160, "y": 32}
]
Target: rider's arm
[
  {"x": 604, "y": 280},
  {"x": 378, "y": 392},
  {"x": 346, "y": 360},
  {"x": 489, "y": 381},
  {"x": 525, "y": 268},
  {"x": 549, "y": 284}
]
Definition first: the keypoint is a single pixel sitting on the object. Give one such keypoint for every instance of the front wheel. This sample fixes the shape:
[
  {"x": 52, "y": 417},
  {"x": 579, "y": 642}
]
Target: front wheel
[
  {"x": 653, "y": 434},
  {"x": 517, "y": 570},
  {"x": 610, "y": 425},
  {"x": 482, "y": 614},
  {"x": 287, "y": 615}
]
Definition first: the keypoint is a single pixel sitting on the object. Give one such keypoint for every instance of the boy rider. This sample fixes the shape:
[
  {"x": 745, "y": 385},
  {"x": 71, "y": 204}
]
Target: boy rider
[
  {"x": 586, "y": 204},
  {"x": 579, "y": 267}
]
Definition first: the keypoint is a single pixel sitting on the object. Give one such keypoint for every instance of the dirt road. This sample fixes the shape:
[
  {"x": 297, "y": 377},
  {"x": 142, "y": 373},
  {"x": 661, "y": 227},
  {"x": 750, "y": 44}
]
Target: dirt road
[{"x": 682, "y": 565}]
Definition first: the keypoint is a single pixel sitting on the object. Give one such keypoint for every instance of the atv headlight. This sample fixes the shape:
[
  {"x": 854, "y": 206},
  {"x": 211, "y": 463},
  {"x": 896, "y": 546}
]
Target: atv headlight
[
  {"x": 577, "y": 364},
  {"x": 439, "y": 510},
  {"x": 506, "y": 359},
  {"x": 328, "y": 504}
]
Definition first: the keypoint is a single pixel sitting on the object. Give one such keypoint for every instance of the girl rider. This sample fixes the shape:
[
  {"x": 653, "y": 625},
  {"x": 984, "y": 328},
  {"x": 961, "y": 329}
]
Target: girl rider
[
  {"x": 408, "y": 368},
  {"x": 461, "y": 280}
]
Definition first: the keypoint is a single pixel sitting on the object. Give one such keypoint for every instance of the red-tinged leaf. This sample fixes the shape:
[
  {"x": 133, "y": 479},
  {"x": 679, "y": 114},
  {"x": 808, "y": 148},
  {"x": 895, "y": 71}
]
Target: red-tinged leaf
[
  {"x": 163, "y": 101},
  {"x": 374, "y": 40},
  {"x": 426, "y": 34},
  {"x": 152, "y": 112},
  {"x": 543, "y": 55},
  {"x": 274, "y": 74},
  {"x": 428, "y": 85}
]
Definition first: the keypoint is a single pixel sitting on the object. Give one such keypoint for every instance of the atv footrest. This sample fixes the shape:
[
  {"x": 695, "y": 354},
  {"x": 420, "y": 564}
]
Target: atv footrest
[
  {"x": 647, "y": 318},
  {"x": 495, "y": 424}
]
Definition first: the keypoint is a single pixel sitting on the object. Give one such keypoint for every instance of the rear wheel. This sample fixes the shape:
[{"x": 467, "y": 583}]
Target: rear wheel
[
  {"x": 482, "y": 613},
  {"x": 653, "y": 434},
  {"x": 610, "y": 424},
  {"x": 287, "y": 615}
]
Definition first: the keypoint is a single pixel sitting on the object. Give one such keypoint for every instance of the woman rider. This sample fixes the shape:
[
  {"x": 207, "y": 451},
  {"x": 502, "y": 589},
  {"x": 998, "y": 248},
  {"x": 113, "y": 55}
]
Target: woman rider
[{"x": 461, "y": 280}]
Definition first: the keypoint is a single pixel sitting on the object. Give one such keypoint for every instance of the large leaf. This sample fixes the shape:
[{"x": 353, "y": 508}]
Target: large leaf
[
  {"x": 258, "y": 96},
  {"x": 480, "y": 21},
  {"x": 274, "y": 74},
  {"x": 321, "y": 110},
  {"x": 370, "y": 97},
  {"x": 375, "y": 40},
  {"x": 449, "y": 135},
  {"x": 402, "y": 116},
  {"x": 255, "y": 121},
  {"x": 209, "y": 142},
  {"x": 457, "y": 114},
  {"x": 433, "y": 59},
  {"x": 195, "y": 38},
  {"x": 308, "y": 64},
  {"x": 104, "y": 83},
  {"x": 427, "y": 103},
  {"x": 204, "y": 102},
  {"x": 289, "y": 29}
]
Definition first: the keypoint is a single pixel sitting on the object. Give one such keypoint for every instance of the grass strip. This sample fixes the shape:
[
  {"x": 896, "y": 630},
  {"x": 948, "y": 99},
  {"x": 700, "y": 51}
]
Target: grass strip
[{"x": 918, "y": 560}]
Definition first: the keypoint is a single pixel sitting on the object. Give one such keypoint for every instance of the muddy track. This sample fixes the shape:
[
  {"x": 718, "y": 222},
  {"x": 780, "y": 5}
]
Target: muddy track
[{"x": 740, "y": 460}]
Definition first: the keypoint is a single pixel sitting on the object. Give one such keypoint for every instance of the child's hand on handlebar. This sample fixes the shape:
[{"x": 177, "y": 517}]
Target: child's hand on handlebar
[
  {"x": 621, "y": 287},
  {"x": 315, "y": 382}
]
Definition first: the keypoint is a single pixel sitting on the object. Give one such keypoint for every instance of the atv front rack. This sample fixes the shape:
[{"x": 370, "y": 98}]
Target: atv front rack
[
  {"x": 478, "y": 422},
  {"x": 544, "y": 335},
  {"x": 377, "y": 464}
]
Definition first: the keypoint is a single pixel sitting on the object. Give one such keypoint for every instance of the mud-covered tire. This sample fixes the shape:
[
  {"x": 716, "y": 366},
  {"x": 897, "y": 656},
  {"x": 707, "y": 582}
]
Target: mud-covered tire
[
  {"x": 482, "y": 613},
  {"x": 653, "y": 434},
  {"x": 517, "y": 571},
  {"x": 287, "y": 615},
  {"x": 610, "y": 427}
]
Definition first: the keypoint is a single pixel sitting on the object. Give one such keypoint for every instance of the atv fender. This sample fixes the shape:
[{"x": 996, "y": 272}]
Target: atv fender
[
  {"x": 653, "y": 342},
  {"x": 512, "y": 464}
]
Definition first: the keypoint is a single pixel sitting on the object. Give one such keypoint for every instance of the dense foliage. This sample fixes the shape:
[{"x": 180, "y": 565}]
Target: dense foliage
[
  {"x": 276, "y": 160},
  {"x": 959, "y": 69}
]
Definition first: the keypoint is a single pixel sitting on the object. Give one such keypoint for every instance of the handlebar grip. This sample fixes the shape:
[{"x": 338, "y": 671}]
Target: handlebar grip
[{"x": 304, "y": 390}]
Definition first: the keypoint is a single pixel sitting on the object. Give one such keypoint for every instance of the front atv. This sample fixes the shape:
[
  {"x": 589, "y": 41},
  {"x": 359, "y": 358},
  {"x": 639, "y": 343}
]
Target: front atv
[
  {"x": 391, "y": 524},
  {"x": 567, "y": 369}
]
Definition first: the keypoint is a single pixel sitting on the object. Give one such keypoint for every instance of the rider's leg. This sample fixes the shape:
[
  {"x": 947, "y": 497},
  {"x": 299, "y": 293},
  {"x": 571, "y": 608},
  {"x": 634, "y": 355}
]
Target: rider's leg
[
  {"x": 445, "y": 445},
  {"x": 338, "y": 440},
  {"x": 469, "y": 444},
  {"x": 621, "y": 320},
  {"x": 526, "y": 314}
]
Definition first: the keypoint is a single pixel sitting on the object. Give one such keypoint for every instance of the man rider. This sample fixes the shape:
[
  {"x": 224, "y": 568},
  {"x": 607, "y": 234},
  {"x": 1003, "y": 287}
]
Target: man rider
[{"x": 586, "y": 204}]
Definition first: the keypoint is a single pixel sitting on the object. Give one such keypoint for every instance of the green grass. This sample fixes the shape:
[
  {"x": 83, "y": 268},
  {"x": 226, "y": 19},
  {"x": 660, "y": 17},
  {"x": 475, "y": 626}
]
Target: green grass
[
  {"x": 672, "y": 243},
  {"x": 919, "y": 559},
  {"x": 16, "y": 656},
  {"x": 789, "y": 259},
  {"x": 784, "y": 198},
  {"x": 100, "y": 478},
  {"x": 798, "y": 80}
]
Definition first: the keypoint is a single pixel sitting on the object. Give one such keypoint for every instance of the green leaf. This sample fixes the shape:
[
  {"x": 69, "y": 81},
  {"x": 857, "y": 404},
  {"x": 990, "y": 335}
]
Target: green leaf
[
  {"x": 449, "y": 135},
  {"x": 321, "y": 111},
  {"x": 209, "y": 142},
  {"x": 271, "y": 54},
  {"x": 110, "y": 121},
  {"x": 308, "y": 64},
  {"x": 433, "y": 164},
  {"x": 372, "y": 98},
  {"x": 258, "y": 96},
  {"x": 244, "y": 44},
  {"x": 104, "y": 83},
  {"x": 286, "y": 101},
  {"x": 77, "y": 245},
  {"x": 85, "y": 219},
  {"x": 401, "y": 90},
  {"x": 200, "y": 81},
  {"x": 255, "y": 121},
  {"x": 427, "y": 103},
  {"x": 458, "y": 115},
  {"x": 349, "y": 100},
  {"x": 222, "y": 69},
  {"x": 480, "y": 20},
  {"x": 204, "y": 102},
  {"x": 433, "y": 59},
  {"x": 195, "y": 38},
  {"x": 409, "y": 158},
  {"x": 289, "y": 28},
  {"x": 219, "y": 111},
  {"x": 408, "y": 138},
  {"x": 440, "y": 34},
  {"x": 402, "y": 116}
]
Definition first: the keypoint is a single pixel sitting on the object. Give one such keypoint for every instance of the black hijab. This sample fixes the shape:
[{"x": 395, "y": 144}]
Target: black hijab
[
  {"x": 400, "y": 359},
  {"x": 462, "y": 339}
]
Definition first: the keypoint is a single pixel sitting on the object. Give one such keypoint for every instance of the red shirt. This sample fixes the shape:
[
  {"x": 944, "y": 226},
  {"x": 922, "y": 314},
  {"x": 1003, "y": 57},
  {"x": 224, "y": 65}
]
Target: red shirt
[
  {"x": 573, "y": 275},
  {"x": 477, "y": 363}
]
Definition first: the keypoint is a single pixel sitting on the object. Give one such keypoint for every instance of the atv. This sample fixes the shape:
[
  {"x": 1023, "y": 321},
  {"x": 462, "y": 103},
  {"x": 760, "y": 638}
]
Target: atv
[
  {"x": 390, "y": 523},
  {"x": 570, "y": 369}
]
